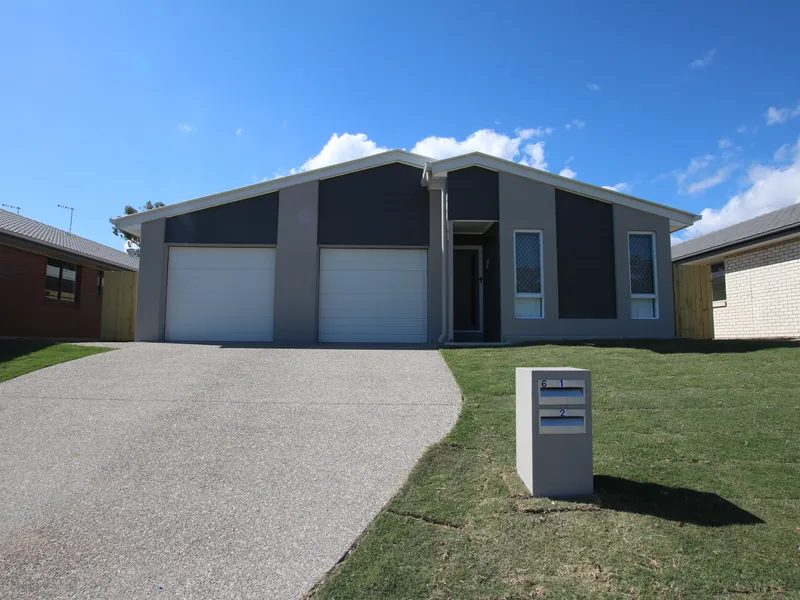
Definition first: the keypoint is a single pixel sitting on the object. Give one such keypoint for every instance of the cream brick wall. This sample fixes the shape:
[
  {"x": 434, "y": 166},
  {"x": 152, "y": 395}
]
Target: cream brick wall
[{"x": 763, "y": 291}]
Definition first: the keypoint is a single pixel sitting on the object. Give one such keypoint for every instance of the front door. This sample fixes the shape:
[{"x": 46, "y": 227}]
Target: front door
[{"x": 467, "y": 280}]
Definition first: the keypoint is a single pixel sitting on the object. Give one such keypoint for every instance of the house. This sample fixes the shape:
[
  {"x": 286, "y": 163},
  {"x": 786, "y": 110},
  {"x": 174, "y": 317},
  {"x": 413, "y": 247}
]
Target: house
[
  {"x": 52, "y": 281},
  {"x": 755, "y": 274},
  {"x": 396, "y": 247}
]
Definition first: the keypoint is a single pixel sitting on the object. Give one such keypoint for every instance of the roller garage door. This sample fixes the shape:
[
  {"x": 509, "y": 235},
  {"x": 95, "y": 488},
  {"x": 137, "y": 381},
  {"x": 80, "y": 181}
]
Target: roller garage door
[
  {"x": 220, "y": 294},
  {"x": 370, "y": 295}
]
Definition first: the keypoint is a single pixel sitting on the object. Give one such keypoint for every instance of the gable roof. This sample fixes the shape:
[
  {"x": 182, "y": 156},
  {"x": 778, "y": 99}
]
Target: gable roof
[
  {"x": 747, "y": 232},
  {"x": 33, "y": 231},
  {"x": 678, "y": 218}
]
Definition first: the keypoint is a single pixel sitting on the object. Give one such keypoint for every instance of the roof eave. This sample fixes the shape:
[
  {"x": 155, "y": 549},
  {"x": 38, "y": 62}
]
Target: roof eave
[
  {"x": 133, "y": 223},
  {"x": 679, "y": 219}
]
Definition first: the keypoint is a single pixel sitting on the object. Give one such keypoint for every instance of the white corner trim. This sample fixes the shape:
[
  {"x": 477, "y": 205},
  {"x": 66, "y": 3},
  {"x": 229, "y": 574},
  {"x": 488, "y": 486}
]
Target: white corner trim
[
  {"x": 679, "y": 217},
  {"x": 132, "y": 223}
]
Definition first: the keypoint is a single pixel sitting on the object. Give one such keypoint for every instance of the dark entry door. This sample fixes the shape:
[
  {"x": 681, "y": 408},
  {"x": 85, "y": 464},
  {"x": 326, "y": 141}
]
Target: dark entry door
[{"x": 466, "y": 289}]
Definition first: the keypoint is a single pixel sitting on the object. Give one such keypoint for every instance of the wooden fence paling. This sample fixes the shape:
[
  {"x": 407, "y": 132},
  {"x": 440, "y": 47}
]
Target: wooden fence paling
[
  {"x": 694, "y": 314},
  {"x": 118, "y": 316}
]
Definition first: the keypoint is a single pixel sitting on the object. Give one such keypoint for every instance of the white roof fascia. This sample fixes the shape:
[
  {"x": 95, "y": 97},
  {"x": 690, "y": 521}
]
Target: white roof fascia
[
  {"x": 678, "y": 218},
  {"x": 133, "y": 223}
]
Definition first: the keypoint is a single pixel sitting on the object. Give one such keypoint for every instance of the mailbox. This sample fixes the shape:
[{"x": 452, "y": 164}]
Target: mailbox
[{"x": 554, "y": 431}]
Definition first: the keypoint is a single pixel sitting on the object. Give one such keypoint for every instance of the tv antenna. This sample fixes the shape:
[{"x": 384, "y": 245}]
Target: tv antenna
[
  {"x": 12, "y": 206},
  {"x": 71, "y": 214}
]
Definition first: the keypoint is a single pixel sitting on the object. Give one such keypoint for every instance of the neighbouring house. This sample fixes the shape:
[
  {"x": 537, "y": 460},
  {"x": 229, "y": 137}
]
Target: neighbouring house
[
  {"x": 755, "y": 274},
  {"x": 52, "y": 280},
  {"x": 396, "y": 247}
]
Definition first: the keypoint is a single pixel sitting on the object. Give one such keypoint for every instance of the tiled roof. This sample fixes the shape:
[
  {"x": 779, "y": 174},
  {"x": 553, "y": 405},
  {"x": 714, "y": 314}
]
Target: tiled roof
[
  {"x": 28, "y": 229},
  {"x": 756, "y": 227}
]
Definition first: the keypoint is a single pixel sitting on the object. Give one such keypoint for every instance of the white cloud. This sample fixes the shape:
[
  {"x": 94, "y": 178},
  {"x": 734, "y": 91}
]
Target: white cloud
[
  {"x": 487, "y": 141},
  {"x": 741, "y": 129},
  {"x": 695, "y": 165},
  {"x": 185, "y": 127},
  {"x": 533, "y": 132},
  {"x": 285, "y": 122},
  {"x": 341, "y": 148},
  {"x": 724, "y": 143},
  {"x": 769, "y": 188},
  {"x": 593, "y": 87},
  {"x": 720, "y": 176},
  {"x": 576, "y": 123},
  {"x": 347, "y": 146},
  {"x": 239, "y": 131},
  {"x": 783, "y": 153},
  {"x": 781, "y": 115},
  {"x": 621, "y": 187},
  {"x": 705, "y": 61},
  {"x": 534, "y": 156},
  {"x": 568, "y": 173}
]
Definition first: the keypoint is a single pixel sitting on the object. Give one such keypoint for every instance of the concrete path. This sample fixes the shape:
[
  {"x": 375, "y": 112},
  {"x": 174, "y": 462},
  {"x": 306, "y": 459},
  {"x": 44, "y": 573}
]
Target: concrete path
[{"x": 190, "y": 471}]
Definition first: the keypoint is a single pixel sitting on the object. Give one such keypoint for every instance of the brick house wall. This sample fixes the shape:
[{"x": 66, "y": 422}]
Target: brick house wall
[
  {"x": 25, "y": 312},
  {"x": 763, "y": 293}
]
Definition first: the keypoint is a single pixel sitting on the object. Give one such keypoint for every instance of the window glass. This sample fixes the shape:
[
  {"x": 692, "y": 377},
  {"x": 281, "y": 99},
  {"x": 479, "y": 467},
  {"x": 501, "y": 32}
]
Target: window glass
[
  {"x": 529, "y": 265},
  {"x": 642, "y": 269},
  {"x": 718, "y": 291},
  {"x": 51, "y": 285},
  {"x": 69, "y": 277}
]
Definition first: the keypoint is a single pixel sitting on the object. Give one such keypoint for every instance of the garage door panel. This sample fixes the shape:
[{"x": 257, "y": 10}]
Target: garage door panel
[
  {"x": 367, "y": 281},
  {"x": 406, "y": 306},
  {"x": 220, "y": 294},
  {"x": 373, "y": 295},
  {"x": 347, "y": 259}
]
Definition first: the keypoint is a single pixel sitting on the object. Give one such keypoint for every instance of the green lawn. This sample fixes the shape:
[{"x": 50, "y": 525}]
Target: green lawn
[
  {"x": 697, "y": 462},
  {"x": 21, "y": 357}
]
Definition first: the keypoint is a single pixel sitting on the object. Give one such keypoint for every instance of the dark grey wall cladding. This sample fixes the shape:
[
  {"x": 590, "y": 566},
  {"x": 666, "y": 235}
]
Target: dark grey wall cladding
[
  {"x": 250, "y": 221},
  {"x": 473, "y": 194},
  {"x": 382, "y": 206},
  {"x": 585, "y": 242},
  {"x": 491, "y": 285}
]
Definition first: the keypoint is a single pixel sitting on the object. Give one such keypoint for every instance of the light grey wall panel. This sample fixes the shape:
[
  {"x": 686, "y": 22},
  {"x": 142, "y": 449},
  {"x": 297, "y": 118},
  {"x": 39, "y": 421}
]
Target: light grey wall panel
[
  {"x": 297, "y": 266},
  {"x": 527, "y": 204},
  {"x": 435, "y": 270},
  {"x": 151, "y": 300}
]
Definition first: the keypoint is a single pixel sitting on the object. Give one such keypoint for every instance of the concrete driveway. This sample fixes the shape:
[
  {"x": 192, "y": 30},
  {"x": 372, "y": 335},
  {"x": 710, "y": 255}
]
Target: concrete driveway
[{"x": 193, "y": 471}]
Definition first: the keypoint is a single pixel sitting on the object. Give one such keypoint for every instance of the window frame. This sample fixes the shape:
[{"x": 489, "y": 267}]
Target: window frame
[
  {"x": 539, "y": 295},
  {"x": 718, "y": 275},
  {"x": 654, "y": 295},
  {"x": 58, "y": 299}
]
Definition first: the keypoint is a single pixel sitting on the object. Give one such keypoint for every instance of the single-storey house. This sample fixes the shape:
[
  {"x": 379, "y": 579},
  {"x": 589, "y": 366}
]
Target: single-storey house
[
  {"x": 397, "y": 247},
  {"x": 52, "y": 280},
  {"x": 755, "y": 274}
]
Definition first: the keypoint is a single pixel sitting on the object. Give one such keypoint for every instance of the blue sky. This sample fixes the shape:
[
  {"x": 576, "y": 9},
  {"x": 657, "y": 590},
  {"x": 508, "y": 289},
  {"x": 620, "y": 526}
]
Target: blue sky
[{"x": 689, "y": 104}]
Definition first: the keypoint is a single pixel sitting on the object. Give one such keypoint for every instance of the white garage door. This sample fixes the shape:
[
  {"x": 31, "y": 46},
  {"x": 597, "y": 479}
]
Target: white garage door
[
  {"x": 220, "y": 294},
  {"x": 373, "y": 295}
]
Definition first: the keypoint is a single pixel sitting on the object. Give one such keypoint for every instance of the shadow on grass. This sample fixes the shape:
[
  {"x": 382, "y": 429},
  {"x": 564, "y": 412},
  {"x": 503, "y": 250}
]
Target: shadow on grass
[
  {"x": 676, "y": 345},
  {"x": 671, "y": 503},
  {"x": 11, "y": 349}
]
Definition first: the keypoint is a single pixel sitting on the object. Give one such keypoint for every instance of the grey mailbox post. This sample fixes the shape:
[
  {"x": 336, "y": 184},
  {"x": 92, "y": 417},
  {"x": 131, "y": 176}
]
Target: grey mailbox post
[{"x": 554, "y": 431}]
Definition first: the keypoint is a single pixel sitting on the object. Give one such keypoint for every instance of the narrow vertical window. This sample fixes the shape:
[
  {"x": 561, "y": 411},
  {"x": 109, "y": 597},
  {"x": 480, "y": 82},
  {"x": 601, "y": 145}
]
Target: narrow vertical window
[
  {"x": 529, "y": 297},
  {"x": 718, "y": 291},
  {"x": 642, "y": 262}
]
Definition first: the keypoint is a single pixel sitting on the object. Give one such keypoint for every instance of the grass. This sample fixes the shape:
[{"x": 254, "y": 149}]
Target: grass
[
  {"x": 21, "y": 357},
  {"x": 697, "y": 462}
]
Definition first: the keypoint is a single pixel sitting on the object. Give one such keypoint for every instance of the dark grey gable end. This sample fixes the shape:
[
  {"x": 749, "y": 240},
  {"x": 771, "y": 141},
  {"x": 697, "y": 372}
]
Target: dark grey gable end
[
  {"x": 473, "y": 194},
  {"x": 249, "y": 221},
  {"x": 381, "y": 206},
  {"x": 586, "y": 269}
]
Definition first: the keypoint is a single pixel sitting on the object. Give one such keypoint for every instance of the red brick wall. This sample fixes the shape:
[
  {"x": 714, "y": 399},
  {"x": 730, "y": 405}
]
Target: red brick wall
[{"x": 25, "y": 312}]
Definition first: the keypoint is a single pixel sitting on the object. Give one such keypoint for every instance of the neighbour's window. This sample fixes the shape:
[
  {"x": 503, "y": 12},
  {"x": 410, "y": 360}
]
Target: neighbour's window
[
  {"x": 529, "y": 299},
  {"x": 718, "y": 292},
  {"x": 99, "y": 282},
  {"x": 642, "y": 268},
  {"x": 61, "y": 282}
]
